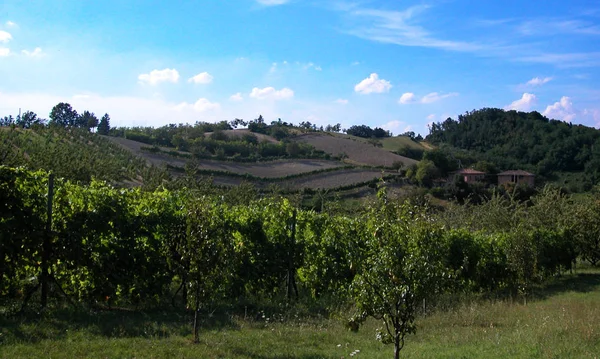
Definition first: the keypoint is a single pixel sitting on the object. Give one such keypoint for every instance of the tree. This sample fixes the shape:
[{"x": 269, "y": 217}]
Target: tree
[
  {"x": 88, "y": 120},
  {"x": 6, "y": 121},
  {"x": 63, "y": 115},
  {"x": 403, "y": 265},
  {"x": 104, "y": 125},
  {"x": 426, "y": 172},
  {"x": 28, "y": 119}
]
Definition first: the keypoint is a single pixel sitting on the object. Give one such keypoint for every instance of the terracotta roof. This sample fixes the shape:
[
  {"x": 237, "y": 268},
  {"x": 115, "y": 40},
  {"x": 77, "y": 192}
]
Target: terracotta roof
[
  {"x": 515, "y": 173},
  {"x": 468, "y": 171}
]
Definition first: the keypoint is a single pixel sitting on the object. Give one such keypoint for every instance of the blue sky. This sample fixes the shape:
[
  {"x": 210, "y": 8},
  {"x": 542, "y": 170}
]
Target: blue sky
[{"x": 394, "y": 64}]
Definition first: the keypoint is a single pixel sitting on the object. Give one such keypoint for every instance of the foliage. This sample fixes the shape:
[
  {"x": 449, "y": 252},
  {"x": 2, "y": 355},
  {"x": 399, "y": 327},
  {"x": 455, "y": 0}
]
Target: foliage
[{"x": 519, "y": 140}]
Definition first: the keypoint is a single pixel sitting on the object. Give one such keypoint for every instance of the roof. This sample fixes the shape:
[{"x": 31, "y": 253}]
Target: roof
[
  {"x": 468, "y": 171},
  {"x": 515, "y": 173}
]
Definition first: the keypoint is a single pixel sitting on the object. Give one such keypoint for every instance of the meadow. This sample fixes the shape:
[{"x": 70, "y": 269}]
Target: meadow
[{"x": 561, "y": 322}]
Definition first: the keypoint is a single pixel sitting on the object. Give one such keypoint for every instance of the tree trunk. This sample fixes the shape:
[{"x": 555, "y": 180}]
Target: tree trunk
[{"x": 397, "y": 348}]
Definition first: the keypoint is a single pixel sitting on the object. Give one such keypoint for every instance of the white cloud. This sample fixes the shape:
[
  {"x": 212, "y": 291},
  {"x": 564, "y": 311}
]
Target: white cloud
[
  {"x": 11, "y": 24},
  {"x": 524, "y": 103},
  {"x": 4, "y": 51},
  {"x": 201, "y": 78},
  {"x": 157, "y": 76},
  {"x": 318, "y": 68},
  {"x": 537, "y": 81},
  {"x": 269, "y": 93},
  {"x": 273, "y": 67},
  {"x": 236, "y": 97},
  {"x": 271, "y": 2},
  {"x": 434, "y": 97},
  {"x": 341, "y": 101},
  {"x": 37, "y": 52},
  {"x": 561, "y": 110},
  {"x": 5, "y": 37},
  {"x": 372, "y": 84},
  {"x": 202, "y": 105},
  {"x": 431, "y": 117},
  {"x": 407, "y": 98}
]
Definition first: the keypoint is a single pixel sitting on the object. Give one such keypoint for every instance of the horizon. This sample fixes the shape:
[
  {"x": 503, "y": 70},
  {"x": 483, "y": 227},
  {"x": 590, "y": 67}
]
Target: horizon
[{"x": 398, "y": 67}]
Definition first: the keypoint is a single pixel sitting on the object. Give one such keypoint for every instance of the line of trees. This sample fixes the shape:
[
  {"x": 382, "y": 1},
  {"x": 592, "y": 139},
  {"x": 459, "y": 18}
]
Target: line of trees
[
  {"x": 110, "y": 246},
  {"x": 62, "y": 115}
]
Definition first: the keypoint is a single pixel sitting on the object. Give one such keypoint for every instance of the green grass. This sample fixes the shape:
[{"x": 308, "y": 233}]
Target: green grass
[
  {"x": 562, "y": 321},
  {"x": 391, "y": 144},
  {"x": 394, "y": 143}
]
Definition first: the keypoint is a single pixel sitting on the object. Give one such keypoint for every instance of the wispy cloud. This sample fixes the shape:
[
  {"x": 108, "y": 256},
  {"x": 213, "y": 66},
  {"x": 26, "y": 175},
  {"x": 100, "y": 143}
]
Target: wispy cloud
[
  {"x": 4, "y": 51},
  {"x": 272, "y": 2},
  {"x": 432, "y": 97},
  {"x": 400, "y": 28},
  {"x": 548, "y": 27},
  {"x": 270, "y": 93},
  {"x": 37, "y": 52},
  {"x": 538, "y": 81},
  {"x": 508, "y": 39}
]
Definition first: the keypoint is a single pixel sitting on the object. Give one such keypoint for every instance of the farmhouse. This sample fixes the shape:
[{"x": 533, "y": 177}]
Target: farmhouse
[
  {"x": 516, "y": 177},
  {"x": 468, "y": 175}
]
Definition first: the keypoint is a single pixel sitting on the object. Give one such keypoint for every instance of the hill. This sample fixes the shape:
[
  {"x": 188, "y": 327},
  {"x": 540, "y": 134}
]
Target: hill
[
  {"x": 75, "y": 154},
  {"x": 355, "y": 150},
  {"x": 528, "y": 141}
]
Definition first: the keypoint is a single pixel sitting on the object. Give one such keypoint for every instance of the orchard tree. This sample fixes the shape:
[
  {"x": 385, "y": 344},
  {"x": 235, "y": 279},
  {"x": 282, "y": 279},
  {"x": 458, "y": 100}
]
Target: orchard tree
[
  {"x": 63, "y": 115},
  {"x": 403, "y": 265}
]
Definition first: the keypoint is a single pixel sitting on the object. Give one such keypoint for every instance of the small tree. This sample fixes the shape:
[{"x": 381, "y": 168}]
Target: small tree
[
  {"x": 402, "y": 266},
  {"x": 104, "y": 125},
  {"x": 206, "y": 253},
  {"x": 63, "y": 115}
]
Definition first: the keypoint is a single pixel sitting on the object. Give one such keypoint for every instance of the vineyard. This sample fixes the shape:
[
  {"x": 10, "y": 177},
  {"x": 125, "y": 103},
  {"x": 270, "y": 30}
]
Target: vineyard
[{"x": 100, "y": 246}]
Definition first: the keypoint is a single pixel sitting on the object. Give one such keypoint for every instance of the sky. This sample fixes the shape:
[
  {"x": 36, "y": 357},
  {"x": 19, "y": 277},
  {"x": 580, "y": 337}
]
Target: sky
[{"x": 399, "y": 65}]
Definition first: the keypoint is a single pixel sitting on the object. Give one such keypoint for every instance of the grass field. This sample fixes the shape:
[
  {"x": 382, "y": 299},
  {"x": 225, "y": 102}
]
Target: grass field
[{"x": 562, "y": 322}]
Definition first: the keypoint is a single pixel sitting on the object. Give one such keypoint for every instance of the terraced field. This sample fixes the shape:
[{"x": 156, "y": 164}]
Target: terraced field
[
  {"x": 356, "y": 151},
  {"x": 310, "y": 172}
]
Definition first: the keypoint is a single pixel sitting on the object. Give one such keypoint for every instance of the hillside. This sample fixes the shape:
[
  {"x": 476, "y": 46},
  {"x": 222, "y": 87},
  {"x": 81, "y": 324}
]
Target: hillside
[
  {"x": 354, "y": 150},
  {"x": 528, "y": 141},
  {"x": 74, "y": 154}
]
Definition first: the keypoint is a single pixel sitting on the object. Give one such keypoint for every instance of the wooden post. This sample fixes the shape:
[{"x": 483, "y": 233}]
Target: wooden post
[
  {"x": 291, "y": 278},
  {"x": 44, "y": 276}
]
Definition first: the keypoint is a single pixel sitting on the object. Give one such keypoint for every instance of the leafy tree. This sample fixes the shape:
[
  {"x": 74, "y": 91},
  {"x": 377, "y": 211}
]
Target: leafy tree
[
  {"x": 426, "y": 172},
  {"x": 88, "y": 120},
  {"x": 6, "y": 121},
  {"x": 360, "y": 131},
  {"x": 104, "y": 125},
  {"x": 402, "y": 266},
  {"x": 28, "y": 119},
  {"x": 63, "y": 115}
]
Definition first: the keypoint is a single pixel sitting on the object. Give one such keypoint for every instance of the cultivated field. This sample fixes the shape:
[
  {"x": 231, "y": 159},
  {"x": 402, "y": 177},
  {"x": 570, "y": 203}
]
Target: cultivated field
[
  {"x": 333, "y": 179},
  {"x": 267, "y": 169},
  {"x": 357, "y": 151},
  {"x": 240, "y": 132}
]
